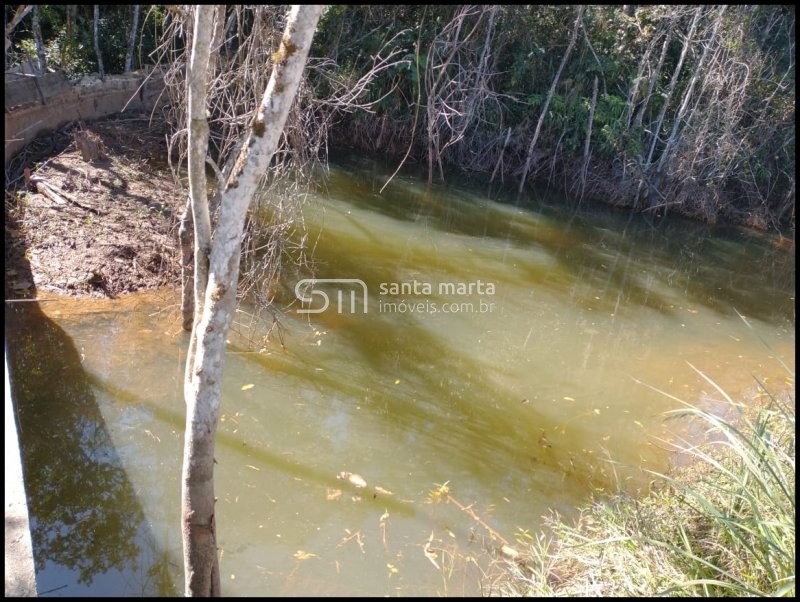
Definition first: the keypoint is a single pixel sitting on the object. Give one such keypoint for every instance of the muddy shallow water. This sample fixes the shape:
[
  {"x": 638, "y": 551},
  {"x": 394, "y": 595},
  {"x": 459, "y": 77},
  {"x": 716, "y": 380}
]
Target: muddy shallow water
[{"x": 516, "y": 398}]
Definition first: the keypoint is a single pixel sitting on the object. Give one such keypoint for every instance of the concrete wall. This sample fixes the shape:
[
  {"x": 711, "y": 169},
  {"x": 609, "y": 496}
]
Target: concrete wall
[
  {"x": 20, "y": 573},
  {"x": 39, "y": 104}
]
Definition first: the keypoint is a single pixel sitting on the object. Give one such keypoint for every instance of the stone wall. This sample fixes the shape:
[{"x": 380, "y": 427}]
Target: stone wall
[{"x": 39, "y": 104}]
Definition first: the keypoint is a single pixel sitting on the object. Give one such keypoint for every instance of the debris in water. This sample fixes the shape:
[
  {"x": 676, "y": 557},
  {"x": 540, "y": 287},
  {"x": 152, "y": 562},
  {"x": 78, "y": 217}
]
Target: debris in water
[{"x": 354, "y": 479}]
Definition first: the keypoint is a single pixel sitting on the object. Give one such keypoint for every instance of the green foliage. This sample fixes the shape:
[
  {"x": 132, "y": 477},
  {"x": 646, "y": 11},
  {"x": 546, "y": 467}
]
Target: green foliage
[
  {"x": 73, "y": 51},
  {"x": 734, "y": 138},
  {"x": 722, "y": 526}
]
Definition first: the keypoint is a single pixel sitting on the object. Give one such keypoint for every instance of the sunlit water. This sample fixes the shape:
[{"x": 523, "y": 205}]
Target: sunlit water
[{"x": 517, "y": 397}]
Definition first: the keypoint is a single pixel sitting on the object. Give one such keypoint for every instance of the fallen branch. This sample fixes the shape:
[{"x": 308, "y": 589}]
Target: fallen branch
[{"x": 52, "y": 193}]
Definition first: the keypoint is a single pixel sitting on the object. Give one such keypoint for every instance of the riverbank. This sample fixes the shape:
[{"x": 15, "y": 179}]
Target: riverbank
[
  {"x": 724, "y": 525},
  {"x": 98, "y": 227}
]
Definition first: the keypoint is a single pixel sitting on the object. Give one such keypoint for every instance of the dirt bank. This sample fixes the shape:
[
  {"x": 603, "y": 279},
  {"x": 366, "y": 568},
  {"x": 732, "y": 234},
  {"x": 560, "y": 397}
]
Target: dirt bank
[{"x": 100, "y": 227}]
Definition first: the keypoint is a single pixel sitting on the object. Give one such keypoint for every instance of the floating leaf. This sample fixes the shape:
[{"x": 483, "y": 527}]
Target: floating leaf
[
  {"x": 430, "y": 554},
  {"x": 354, "y": 479},
  {"x": 301, "y": 555},
  {"x": 247, "y": 387},
  {"x": 380, "y": 489},
  {"x": 392, "y": 569},
  {"x": 569, "y": 399},
  {"x": 333, "y": 494},
  {"x": 509, "y": 552},
  {"x": 596, "y": 411}
]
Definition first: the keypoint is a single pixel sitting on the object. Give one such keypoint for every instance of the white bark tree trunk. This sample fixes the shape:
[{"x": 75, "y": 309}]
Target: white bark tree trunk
[
  {"x": 132, "y": 38},
  {"x": 203, "y": 383},
  {"x": 100, "y": 69},
  {"x": 587, "y": 147},
  {"x": 673, "y": 82},
  {"x": 37, "y": 37},
  {"x": 22, "y": 10},
  {"x": 543, "y": 114},
  {"x": 698, "y": 70}
]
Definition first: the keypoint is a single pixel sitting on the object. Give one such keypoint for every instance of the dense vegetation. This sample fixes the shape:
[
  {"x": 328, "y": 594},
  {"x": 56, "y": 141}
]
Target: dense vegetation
[
  {"x": 656, "y": 108},
  {"x": 722, "y": 526},
  {"x": 689, "y": 108}
]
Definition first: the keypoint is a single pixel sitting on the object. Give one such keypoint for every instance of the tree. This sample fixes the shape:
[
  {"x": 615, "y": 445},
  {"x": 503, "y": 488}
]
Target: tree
[
  {"x": 22, "y": 10},
  {"x": 132, "y": 39},
  {"x": 543, "y": 112},
  {"x": 96, "y": 22},
  {"x": 37, "y": 37},
  {"x": 216, "y": 271}
]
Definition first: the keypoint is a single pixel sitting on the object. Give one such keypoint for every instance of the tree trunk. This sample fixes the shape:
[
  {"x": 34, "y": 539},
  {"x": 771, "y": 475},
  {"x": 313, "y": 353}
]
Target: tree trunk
[
  {"x": 185, "y": 239},
  {"x": 673, "y": 82},
  {"x": 671, "y": 141},
  {"x": 552, "y": 91},
  {"x": 68, "y": 31},
  {"x": 203, "y": 383},
  {"x": 132, "y": 38},
  {"x": 587, "y": 147},
  {"x": 201, "y": 566},
  {"x": 637, "y": 122},
  {"x": 646, "y": 165},
  {"x": 37, "y": 37},
  {"x": 97, "y": 42},
  {"x": 633, "y": 93},
  {"x": 22, "y": 10}
]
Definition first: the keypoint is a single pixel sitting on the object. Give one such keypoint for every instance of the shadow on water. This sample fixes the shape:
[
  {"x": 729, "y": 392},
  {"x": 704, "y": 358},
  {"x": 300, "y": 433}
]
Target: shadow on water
[
  {"x": 441, "y": 385},
  {"x": 90, "y": 535}
]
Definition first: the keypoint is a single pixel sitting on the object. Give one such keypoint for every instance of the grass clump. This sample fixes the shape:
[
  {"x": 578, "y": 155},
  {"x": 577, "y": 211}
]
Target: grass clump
[{"x": 722, "y": 526}]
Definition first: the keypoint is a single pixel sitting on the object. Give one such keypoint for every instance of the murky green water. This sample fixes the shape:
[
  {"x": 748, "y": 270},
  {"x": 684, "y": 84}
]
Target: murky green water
[{"x": 516, "y": 397}]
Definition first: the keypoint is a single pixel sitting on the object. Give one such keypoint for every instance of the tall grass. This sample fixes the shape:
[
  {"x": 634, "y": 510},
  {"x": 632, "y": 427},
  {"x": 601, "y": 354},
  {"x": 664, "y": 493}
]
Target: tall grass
[{"x": 724, "y": 525}]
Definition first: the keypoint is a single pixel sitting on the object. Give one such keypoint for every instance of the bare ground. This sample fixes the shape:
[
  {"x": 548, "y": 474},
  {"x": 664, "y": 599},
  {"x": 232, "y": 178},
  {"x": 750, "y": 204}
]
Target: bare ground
[{"x": 101, "y": 227}]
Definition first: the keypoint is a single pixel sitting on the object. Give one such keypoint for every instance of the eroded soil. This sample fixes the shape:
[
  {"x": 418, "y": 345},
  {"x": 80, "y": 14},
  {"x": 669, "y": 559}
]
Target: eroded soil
[{"x": 101, "y": 227}]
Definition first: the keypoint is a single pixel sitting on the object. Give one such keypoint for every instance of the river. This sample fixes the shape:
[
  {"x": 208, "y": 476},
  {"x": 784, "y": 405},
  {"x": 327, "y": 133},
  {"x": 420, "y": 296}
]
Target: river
[{"x": 512, "y": 353}]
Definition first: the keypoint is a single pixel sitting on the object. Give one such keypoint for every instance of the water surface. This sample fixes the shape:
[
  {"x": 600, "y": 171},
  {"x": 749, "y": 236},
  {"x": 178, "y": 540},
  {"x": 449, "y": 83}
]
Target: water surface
[{"x": 517, "y": 398}]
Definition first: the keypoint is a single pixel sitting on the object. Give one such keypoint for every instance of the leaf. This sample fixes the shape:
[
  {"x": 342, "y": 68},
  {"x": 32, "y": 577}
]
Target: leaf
[
  {"x": 429, "y": 554},
  {"x": 333, "y": 494},
  {"x": 301, "y": 555},
  {"x": 569, "y": 399},
  {"x": 380, "y": 489},
  {"x": 354, "y": 479},
  {"x": 357, "y": 480},
  {"x": 509, "y": 552},
  {"x": 392, "y": 569},
  {"x": 247, "y": 387}
]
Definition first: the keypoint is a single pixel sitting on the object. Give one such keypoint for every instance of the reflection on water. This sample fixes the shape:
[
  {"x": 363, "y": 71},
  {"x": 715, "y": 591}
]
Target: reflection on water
[
  {"x": 519, "y": 408},
  {"x": 89, "y": 532}
]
